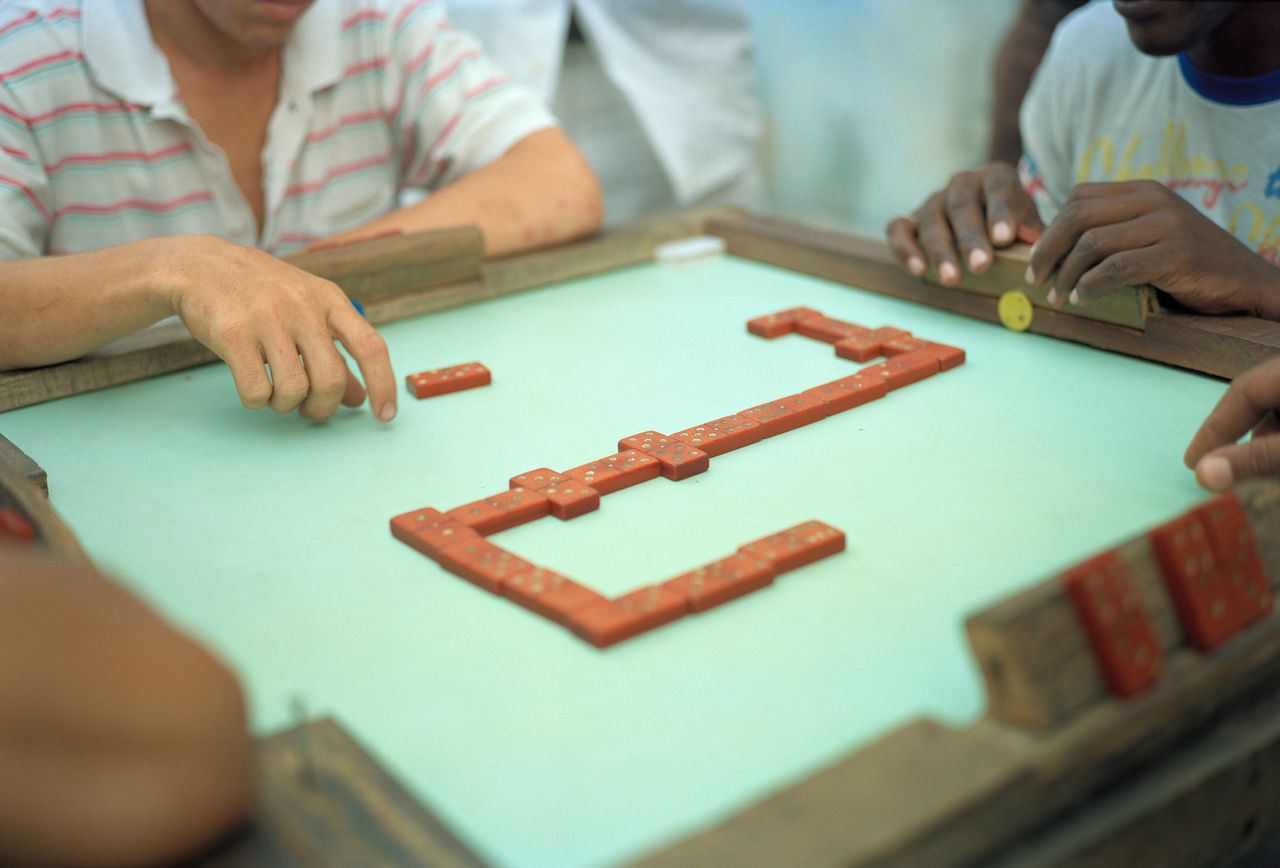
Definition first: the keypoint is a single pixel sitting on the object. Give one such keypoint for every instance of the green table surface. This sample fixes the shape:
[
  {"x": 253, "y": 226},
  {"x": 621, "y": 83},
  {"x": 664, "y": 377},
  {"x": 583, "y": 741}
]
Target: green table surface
[{"x": 267, "y": 536}]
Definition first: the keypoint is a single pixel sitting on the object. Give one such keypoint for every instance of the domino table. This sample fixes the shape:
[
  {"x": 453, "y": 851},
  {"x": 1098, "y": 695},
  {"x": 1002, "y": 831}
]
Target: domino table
[{"x": 933, "y": 694}]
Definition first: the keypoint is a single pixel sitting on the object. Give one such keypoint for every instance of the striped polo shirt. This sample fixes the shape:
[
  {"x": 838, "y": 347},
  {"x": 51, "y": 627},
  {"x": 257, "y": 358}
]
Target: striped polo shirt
[{"x": 97, "y": 149}]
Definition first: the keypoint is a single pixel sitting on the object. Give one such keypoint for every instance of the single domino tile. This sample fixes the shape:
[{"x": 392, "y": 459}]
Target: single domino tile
[
  {"x": 482, "y": 563},
  {"x": 796, "y": 546},
  {"x": 612, "y": 621},
  {"x": 829, "y": 330},
  {"x": 429, "y": 530},
  {"x": 536, "y": 480},
  {"x": 1028, "y": 235},
  {"x": 442, "y": 381},
  {"x": 676, "y": 459},
  {"x": 721, "y": 435},
  {"x": 904, "y": 370},
  {"x": 571, "y": 498},
  {"x": 775, "y": 325},
  {"x": 898, "y": 346},
  {"x": 721, "y": 581},
  {"x": 786, "y": 414},
  {"x": 848, "y": 392},
  {"x": 501, "y": 511},
  {"x": 864, "y": 348},
  {"x": 550, "y": 594},
  {"x": 1108, "y": 606},
  {"x": 616, "y": 472},
  {"x": 1201, "y": 592},
  {"x": 15, "y": 527},
  {"x": 1236, "y": 553},
  {"x": 948, "y": 357}
]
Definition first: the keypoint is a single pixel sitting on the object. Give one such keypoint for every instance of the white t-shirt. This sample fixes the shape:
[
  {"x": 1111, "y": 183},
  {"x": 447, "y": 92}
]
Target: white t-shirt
[
  {"x": 97, "y": 148},
  {"x": 686, "y": 68},
  {"x": 1100, "y": 110}
]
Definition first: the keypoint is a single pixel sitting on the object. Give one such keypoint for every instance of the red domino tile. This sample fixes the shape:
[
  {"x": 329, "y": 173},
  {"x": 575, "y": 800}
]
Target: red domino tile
[
  {"x": 536, "y": 480},
  {"x": 903, "y": 370},
  {"x": 898, "y": 346},
  {"x": 612, "y": 621},
  {"x": 442, "y": 381},
  {"x": 482, "y": 563},
  {"x": 15, "y": 527},
  {"x": 848, "y": 392},
  {"x": 948, "y": 357},
  {"x": 786, "y": 414},
  {"x": 502, "y": 511},
  {"x": 1108, "y": 606},
  {"x": 722, "y": 435},
  {"x": 724, "y": 580},
  {"x": 829, "y": 330},
  {"x": 550, "y": 594},
  {"x": 429, "y": 530},
  {"x": 797, "y": 546},
  {"x": 616, "y": 472},
  {"x": 1236, "y": 553},
  {"x": 1028, "y": 235},
  {"x": 676, "y": 459},
  {"x": 571, "y": 498},
  {"x": 775, "y": 325},
  {"x": 864, "y": 348},
  {"x": 1201, "y": 592}
]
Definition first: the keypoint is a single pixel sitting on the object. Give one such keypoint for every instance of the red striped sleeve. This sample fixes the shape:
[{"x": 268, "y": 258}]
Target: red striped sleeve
[
  {"x": 406, "y": 12},
  {"x": 18, "y": 22}
]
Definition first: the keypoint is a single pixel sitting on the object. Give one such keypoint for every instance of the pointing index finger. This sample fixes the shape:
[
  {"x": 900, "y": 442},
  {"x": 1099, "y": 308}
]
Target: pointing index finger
[
  {"x": 369, "y": 350},
  {"x": 1250, "y": 398}
]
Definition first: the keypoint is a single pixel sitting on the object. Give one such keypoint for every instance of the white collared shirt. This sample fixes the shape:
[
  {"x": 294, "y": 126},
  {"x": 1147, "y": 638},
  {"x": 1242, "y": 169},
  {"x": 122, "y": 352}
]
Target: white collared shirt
[
  {"x": 685, "y": 66},
  {"x": 376, "y": 96}
]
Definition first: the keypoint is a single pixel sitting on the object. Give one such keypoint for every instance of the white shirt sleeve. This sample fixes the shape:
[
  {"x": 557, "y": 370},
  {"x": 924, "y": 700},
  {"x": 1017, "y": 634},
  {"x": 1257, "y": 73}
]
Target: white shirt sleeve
[{"x": 453, "y": 109}]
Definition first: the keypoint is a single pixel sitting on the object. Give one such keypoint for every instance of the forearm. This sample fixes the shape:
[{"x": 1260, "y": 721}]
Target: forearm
[
  {"x": 123, "y": 742},
  {"x": 57, "y": 308},
  {"x": 1019, "y": 55},
  {"x": 541, "y": 192}
]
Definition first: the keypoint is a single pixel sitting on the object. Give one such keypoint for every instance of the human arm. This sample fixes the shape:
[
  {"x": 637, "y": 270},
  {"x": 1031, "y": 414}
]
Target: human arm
[
  {"x": 1017, "y": 58},
  {"x": 250, "y": 308},
  {"x": 1115, "y": 234},
  {"x": 963, "y": 222},
  {"x": 123, "y": 742},
  {"x": 1250, "y": 406},
  {"x": 538, "y": 193}
]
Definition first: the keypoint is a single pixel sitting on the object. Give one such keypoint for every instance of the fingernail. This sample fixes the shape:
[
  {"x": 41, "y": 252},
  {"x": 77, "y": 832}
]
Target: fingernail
[
  {"x": 915, "y": 265},
  {"x": 1052, "y": 297},
  {"x": 1029, "y": 276},
  {"x": 1074, "y": 298},
  {"x": 978, "y": 259},
  {"x": 948, "y": 272},
  {"x": 1002, "y": 232},
  {"x": 388, "y": 412},
  {"x": 1214, "y": 473}
]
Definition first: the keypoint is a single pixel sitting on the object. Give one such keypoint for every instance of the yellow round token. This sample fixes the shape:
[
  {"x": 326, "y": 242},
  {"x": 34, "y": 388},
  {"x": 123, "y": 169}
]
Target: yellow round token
[{"x": 1015, "y": 310}]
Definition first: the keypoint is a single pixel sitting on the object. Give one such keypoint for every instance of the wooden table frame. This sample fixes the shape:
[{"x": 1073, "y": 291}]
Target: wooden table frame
[{"x": 1056, "y": 772}]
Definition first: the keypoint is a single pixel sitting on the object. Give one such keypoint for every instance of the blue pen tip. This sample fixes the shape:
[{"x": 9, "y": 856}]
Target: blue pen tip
[{"x": 358, "y": 306}]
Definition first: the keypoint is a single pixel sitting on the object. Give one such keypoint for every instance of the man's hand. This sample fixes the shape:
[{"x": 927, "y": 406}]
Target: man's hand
[
  {"x": 1110, "y": 235},
  {"x": 254, "y": 310},
  {"x": 1252, "y": 403},
  {"x": 976, "y": 211}
]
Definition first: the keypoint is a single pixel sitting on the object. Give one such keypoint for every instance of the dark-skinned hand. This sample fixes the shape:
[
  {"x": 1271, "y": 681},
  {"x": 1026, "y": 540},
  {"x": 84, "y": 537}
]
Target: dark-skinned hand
[
  {"x": 1251, "y": 404},
  {"x": 1110, "y": 235},
  {"x": 975, "y": 213}
]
